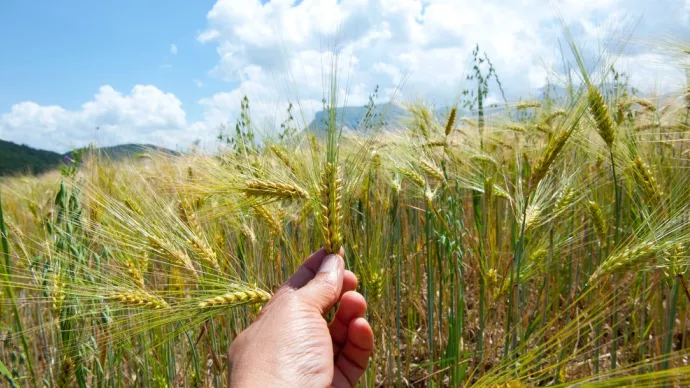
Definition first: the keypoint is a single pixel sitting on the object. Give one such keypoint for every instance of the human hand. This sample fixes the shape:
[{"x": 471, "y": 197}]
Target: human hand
[{"x": 291, "y": 345}]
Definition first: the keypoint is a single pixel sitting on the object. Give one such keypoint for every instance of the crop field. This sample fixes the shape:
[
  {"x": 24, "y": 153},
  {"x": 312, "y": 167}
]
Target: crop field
[{"x": 538, "y": 242}]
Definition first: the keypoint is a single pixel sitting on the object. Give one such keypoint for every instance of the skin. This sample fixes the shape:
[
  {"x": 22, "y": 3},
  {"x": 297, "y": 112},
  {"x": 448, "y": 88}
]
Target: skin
[{"x": 291, "y": 345}]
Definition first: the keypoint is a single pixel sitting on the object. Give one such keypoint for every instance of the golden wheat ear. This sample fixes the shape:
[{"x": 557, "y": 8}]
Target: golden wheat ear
[{"x": 331, "y": 208}]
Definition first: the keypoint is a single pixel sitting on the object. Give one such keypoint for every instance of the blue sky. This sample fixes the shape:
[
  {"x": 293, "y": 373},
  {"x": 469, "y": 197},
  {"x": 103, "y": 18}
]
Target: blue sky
[
  {"x": 56, "y": 54},
  {"x": 66, "y": 70}
]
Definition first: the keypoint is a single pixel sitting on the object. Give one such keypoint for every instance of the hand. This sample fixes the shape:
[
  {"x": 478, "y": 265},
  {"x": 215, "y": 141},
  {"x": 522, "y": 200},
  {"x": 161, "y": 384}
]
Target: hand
[{"x": 291, "y": 345}]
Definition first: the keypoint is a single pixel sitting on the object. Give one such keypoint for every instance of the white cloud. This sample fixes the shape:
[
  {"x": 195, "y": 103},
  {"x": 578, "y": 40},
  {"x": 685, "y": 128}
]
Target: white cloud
[
  {"x": 145, "y": 115},
  {"x": 280, "y": 52},
  {"x": 429, "y": 40}
]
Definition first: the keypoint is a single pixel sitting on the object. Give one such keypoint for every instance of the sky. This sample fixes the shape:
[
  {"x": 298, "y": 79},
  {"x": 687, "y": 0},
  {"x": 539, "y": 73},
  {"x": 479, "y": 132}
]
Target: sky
[{"x": 171, "y": 72}]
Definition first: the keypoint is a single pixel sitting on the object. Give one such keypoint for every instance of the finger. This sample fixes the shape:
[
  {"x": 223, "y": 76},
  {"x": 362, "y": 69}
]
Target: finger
[
  {"x": 354, "y": 357},
  {"x": 323, "y": 291},
  {"x": 352, "y": 306},
  {"x": 305, "y": 272},
  {"x": 349, "y": 281}
]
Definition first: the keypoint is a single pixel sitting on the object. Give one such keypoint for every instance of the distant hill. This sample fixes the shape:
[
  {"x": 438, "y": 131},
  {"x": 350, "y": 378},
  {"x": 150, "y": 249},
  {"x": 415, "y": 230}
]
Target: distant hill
[
  {"x": 124, "y": 151},
  {"x": 22, "y": 159},
  {"x": 351, "y": 116}
]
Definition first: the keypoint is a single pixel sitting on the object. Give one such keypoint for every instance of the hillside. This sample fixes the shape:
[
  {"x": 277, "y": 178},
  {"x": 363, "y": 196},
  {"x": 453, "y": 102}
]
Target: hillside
[
  {"x": 130, "y": 150},
  {"x": 19, "y": 159},
  {"x": 22, "y": 159}
]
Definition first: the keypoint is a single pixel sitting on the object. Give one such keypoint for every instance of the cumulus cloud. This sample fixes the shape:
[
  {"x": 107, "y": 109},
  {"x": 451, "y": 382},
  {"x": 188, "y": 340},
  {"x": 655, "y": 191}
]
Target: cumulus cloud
[
  {"x": 426, "y": 44},
  {"x": 282, "y": 51},
  {"x": 144, "y": 115}
]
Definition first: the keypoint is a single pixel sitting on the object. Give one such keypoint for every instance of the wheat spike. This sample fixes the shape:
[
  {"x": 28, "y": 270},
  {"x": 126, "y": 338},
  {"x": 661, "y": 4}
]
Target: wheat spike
[
  {"x": 543, "y": 165},
  {"x": 451, "y": 121},
  {"x": 528, "y": 104},
  {"x": 550, "y": 118},
  {"x": 331, "y": 208},
  {"x": 412, "y": 176},
  {"x": 278, "y": 152},
  {"x": 172, "y": 253},
  {"x": 515, "y": 128},
  {"x": 259, "y": 188},
  {"x": 57, "y": 294},
  {"x": 626, "y": 258},
  {"x": 271, "y": 221},
  {"x": 200, "y": 246},
  {"x": 139, "y": 299},
  {"x": 435, "y": 143},
  {"x": 644, "y": 103},
  {"x": 532, "y": 217},
  {"x": 237, "y": 298},
  {"x": 431, "y": 170},
  {"x": 134, "y": 272},
  {"x": 542, "y": 128},
  {"x": 468, "y": 121},
  {"x": 601, "y": 115},
  {"x": 66, "y": 369},
  {"x": 131, "y": 205},
  {"x": 565, "y": 199},
  {"x": 646, "y": 178},
  {"x": 600, "y": 226},
  {"x": 375, "y": 286}
]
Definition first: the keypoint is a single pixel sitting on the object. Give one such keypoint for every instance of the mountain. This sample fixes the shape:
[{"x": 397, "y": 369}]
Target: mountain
[
  {"x": 351, "y": 116},
  {"x": 124, "y": 151},
  {"x": 21, "y": 159}
]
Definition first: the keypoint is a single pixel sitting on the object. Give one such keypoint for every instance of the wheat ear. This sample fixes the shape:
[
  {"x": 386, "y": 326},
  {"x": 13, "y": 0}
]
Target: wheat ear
[
  {"x": 237, "y": 298},
  {"x": 646, "y": 178},
  {"x": 412, "y": 176},
  {"x": 278, "y": 152},
  {"x": 139, "y": 299},
  {"x": 451, "y": 121},
  {"x": 543, "y": 165},
  {"x": 601, "y": 116},
  {"x": 600, "y": 226},
  {"x": 431, "y": 169},
  {"x": 271, "y": 221},
  {"x": 273, "y": 190},
  {"x": 331, "y": 208}
]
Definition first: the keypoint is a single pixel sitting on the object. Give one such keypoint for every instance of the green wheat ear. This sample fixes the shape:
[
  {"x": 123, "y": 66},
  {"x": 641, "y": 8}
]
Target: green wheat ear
[{"x": 331, "y": 208}]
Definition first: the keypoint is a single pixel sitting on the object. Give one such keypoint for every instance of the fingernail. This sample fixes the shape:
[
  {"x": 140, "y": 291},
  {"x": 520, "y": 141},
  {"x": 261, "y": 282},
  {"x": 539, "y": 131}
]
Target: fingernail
[{"x": 329, "y": 263}]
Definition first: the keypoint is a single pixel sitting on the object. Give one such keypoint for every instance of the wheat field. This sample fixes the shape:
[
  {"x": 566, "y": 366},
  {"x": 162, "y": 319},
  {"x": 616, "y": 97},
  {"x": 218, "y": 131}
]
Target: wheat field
[{"x": 539, "y": 243}]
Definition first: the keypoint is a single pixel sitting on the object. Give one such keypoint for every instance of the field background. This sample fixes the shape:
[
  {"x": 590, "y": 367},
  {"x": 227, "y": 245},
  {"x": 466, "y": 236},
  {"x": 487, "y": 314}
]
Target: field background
[{"x": 528, "y": 243}]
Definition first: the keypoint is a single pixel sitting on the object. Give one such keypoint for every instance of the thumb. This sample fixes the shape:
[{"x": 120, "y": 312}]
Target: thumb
[{"x": 323, "y": 291}]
